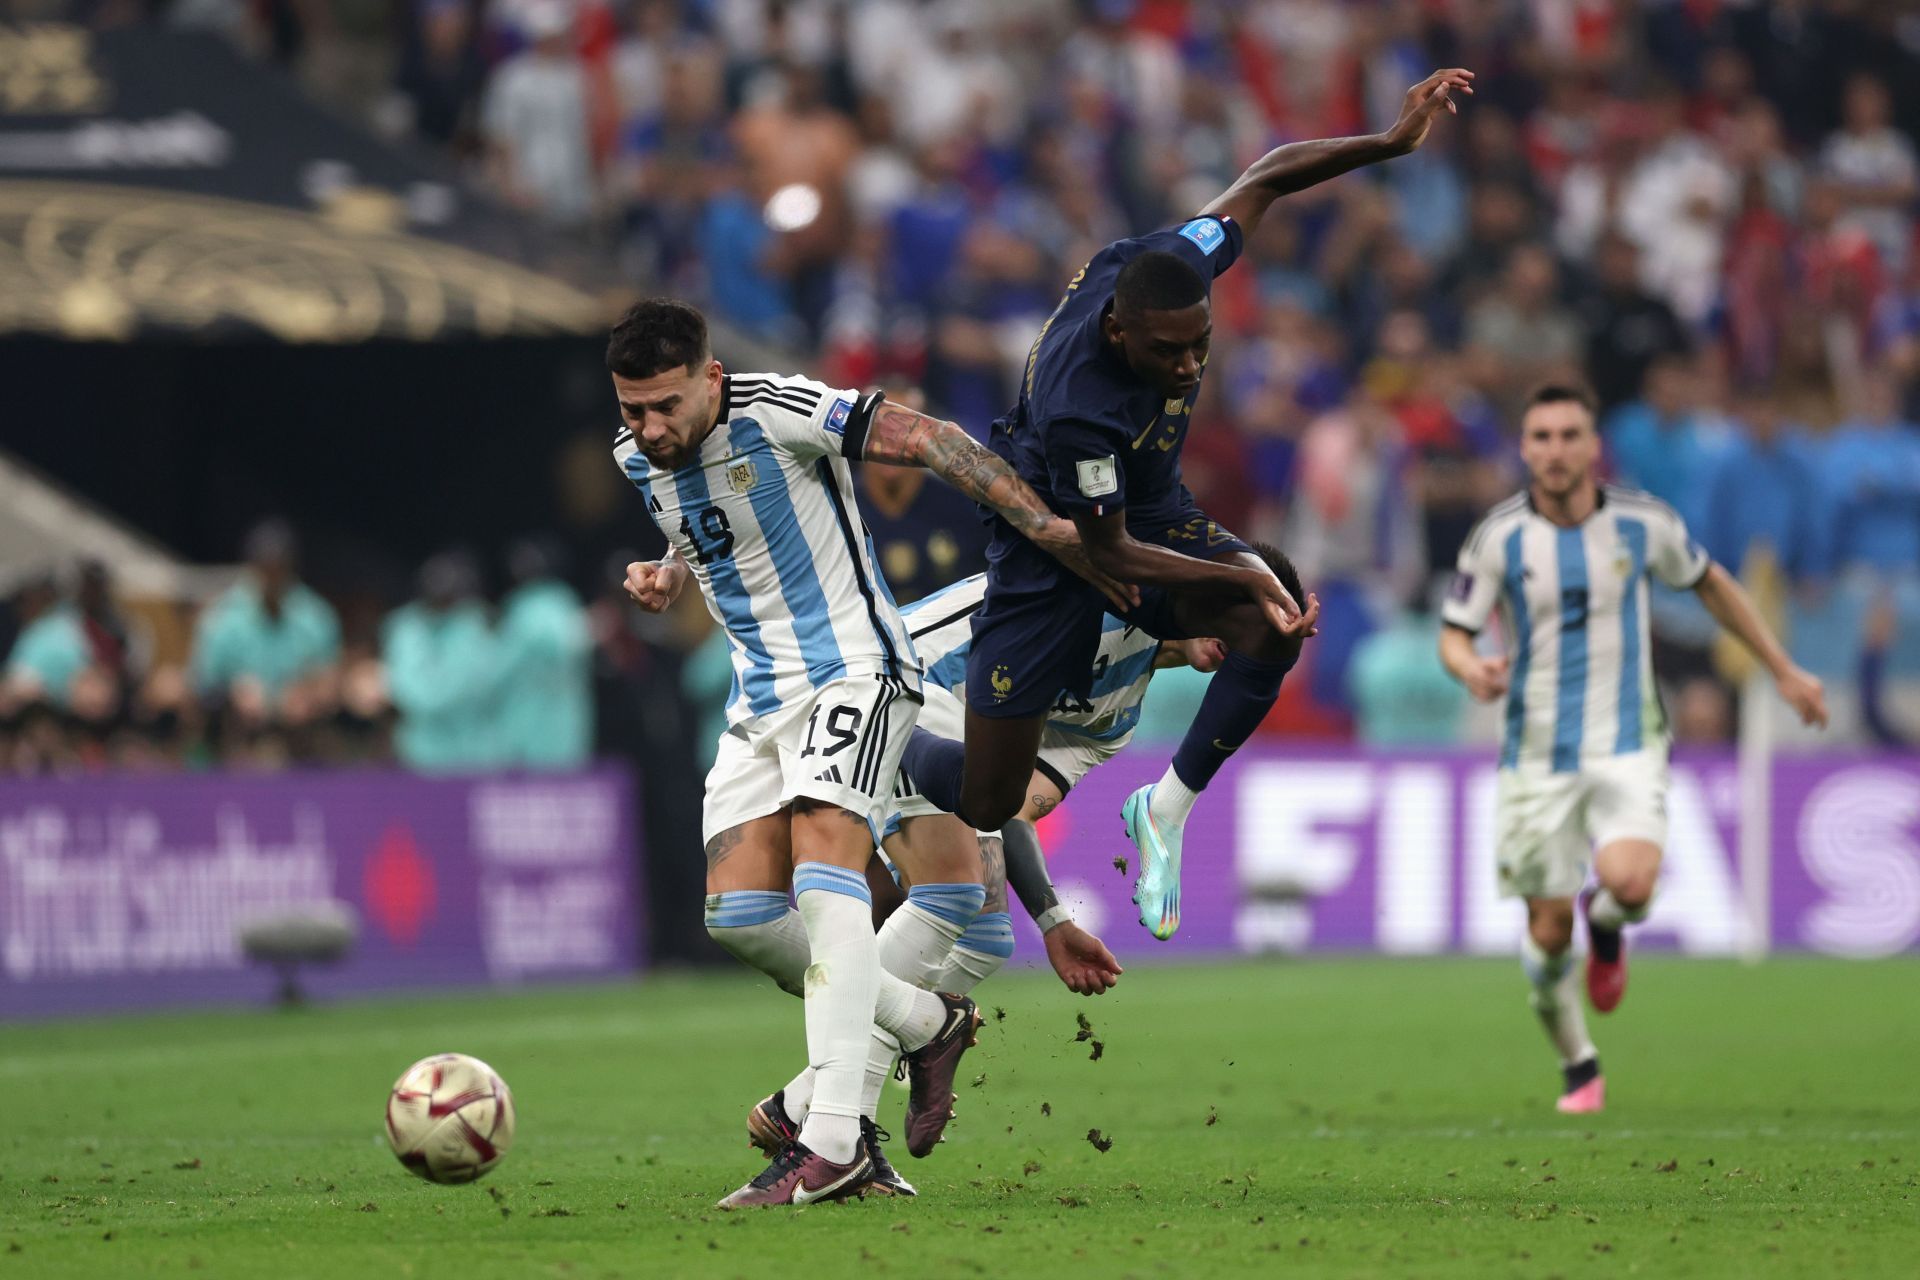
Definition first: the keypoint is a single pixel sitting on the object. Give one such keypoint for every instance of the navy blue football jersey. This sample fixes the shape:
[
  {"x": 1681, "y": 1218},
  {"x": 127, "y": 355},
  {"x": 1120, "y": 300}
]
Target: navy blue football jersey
[{"x": 1087, "y": 433}]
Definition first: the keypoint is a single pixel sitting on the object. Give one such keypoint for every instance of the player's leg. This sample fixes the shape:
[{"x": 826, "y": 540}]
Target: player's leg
[
  {"x": 987, "y": 942},
  {"x": 1546, "y": 957},
  {"x": 750, "y": 865},
  {"x": 842, "y": 787},
  {"x": 1238, "y": 698},
  {"x": 979, "y": 779},
  {"x": 1026, "y": 648},
  {"x": 1540, "y": 852},
  {"x": 1627, "y": 819}
]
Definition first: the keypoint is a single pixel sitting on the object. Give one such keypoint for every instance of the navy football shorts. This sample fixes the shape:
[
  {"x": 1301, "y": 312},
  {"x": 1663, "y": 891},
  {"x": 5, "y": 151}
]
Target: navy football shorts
[{"x": 1039, "y": 629}]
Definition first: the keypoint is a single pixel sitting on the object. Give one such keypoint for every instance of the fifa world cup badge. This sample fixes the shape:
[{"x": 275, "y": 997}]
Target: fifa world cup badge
[{"x": 742, "y": 475}]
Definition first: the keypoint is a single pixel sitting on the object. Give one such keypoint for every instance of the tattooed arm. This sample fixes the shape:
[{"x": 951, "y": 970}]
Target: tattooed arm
[{"x": 907, "y": 438}]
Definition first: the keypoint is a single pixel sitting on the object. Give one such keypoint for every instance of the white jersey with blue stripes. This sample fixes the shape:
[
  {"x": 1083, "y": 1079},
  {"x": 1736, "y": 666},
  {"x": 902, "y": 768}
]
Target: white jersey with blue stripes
[
  {"x": 942, "y": 629},
  {"x": 1574, "y": 606},
  {"x": 765, "y": 516}
]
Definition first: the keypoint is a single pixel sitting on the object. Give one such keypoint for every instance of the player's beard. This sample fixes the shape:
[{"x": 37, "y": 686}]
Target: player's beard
[{"x": 1566, "y": 484}]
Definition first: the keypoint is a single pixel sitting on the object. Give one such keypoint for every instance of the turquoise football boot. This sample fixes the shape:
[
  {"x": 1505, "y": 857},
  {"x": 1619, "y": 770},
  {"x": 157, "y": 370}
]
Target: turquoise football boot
[{"x": 1157, "y": 890}]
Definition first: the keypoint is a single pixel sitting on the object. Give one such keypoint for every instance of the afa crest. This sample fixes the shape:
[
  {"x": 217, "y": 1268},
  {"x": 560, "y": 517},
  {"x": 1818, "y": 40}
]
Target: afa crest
[
  {"x": 742, "y": 475},
  {"x": 1002, "y": 682}
]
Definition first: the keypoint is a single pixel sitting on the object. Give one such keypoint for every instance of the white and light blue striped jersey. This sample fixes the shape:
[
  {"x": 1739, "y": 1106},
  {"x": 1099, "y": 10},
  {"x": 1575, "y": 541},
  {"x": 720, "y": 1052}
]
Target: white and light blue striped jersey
[
  {"x": 765, "y": 516},
  {"x": 1574, "y": 604},
  {"x": 942, "y": 629}
]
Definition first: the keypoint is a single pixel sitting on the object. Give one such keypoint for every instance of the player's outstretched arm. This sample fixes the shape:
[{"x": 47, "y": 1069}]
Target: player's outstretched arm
[
  {"x": 1300, "y": 165},
  {"x": 1120, "y": 555},
  {"x": 909, "y": 438},
  {"x": 1733, "y": 609},
  {"x": 1082, "y": 960}
]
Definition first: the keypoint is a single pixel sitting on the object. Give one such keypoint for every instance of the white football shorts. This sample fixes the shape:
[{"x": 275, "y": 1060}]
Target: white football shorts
[{"x": 1547, "y": 824}]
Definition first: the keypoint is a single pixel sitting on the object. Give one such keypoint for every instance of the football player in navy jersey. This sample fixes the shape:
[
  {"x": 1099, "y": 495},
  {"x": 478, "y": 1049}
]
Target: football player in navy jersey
[{"x": 1104, "y": 405}]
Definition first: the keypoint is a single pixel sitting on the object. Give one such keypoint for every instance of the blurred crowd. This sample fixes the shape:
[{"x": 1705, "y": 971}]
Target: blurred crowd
[{"x": 265, "y": 678}]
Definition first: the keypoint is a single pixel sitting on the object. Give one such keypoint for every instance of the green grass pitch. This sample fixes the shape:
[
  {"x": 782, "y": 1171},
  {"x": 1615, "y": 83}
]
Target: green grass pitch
[{"x": 1361, "y": 1117}]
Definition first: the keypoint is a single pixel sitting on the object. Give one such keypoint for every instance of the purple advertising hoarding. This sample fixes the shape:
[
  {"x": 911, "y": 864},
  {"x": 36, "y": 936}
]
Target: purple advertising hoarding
[
  {"x": 1292, "y": 850},
  {"x": 127, "y": 891}
]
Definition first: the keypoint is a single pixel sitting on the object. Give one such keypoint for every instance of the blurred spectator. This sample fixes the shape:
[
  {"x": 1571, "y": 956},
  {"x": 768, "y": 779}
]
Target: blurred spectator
[
  {"x": 1675, "y": 204},
  {"x": 268, "y": 636},
  {"x": 77, "y": 655},
  {"x": 543, "y": 650},
  {"x": 535, "y": 120},
  {"x": 1874, "y": 171},
  {"x": 441, "y": 74},
  {"x": 31, "y": 599},
  {"x": 1873, "y": 482},
  {"x": 1655, "y": 443},
  {"x": 1520, "y": 336},
  {"x": 1402, "y": 696},
  {"x": 1626, "y": 326},
  {"x": 1762, "y": 494},
  {"x": 443, "y": 671}
]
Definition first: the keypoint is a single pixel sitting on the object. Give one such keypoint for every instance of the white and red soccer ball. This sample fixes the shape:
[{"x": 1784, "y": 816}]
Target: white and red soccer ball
[{"x": 450, "y": 1118}]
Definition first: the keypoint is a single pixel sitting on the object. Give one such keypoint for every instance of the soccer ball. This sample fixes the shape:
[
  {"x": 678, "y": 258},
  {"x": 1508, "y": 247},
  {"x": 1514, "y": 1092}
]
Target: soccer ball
[{"x": 450, "y": 1118}]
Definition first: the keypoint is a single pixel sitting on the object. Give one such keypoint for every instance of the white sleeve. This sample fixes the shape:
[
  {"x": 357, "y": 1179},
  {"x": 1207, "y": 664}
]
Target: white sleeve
[
  {"x": 1673, "y": 557},
  {"x": 1476, "y": 581},
  {"x": 810, "y": 418}
]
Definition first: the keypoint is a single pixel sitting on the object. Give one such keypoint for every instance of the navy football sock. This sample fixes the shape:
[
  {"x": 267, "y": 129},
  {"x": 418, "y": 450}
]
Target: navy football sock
[
  {"x": 937, "y": 767},
  {"x": 1238, "y": 699}
]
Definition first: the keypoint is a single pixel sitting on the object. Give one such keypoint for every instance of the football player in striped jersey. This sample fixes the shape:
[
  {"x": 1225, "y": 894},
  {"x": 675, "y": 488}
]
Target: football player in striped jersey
[
  {"x": 747, "y": 477},
  {"x": 1583, "y": 770}
]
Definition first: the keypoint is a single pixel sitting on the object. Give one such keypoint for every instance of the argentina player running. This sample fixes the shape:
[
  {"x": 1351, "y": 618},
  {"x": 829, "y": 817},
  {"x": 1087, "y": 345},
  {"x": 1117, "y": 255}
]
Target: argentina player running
[
  {"x": 1584, "y": 765},
  {"x": 1102, "y": 415},
  {"x": 748, "y": 479}
]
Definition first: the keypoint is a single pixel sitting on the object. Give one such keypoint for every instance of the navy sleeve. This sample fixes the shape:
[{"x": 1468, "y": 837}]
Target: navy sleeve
[
  {"x": 1084, "y": 464},
  {"x": 1211, "y": 244}
]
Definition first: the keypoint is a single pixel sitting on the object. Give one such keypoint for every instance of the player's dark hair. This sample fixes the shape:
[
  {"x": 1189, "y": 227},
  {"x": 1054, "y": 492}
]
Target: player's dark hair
[
  {"x": 1157, "y": 281},
  {"x": 1562, "y": 393},
  {"x": 1282, "y": 569},
  {"x": 657, "y": 334}
]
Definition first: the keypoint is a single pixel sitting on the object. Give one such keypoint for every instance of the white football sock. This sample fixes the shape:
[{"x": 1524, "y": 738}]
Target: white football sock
[
  {"x": 1609, "y": 912},
  {"x": 1171, "y": 799},
  {"x": 1556, "y": 998},
  {"x": 797, "y": 1098},
  {"x": 915, "y": 940},
  {"x": 983, "y": 948},
  {"x": 914, "y": 945},
  {"x": 882, "y": 1051},
  {"x": 759, "y": 928},
  {"x": 841, "y": 990}
]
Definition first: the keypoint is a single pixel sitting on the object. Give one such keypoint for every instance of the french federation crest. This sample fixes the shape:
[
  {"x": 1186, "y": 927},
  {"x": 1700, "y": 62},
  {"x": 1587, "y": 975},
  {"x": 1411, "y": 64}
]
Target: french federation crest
[{"x": 742, "y": 475}]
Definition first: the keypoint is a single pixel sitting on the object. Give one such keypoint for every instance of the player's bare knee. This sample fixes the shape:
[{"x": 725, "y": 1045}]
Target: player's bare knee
[
  {"x": 1550, "y": 924},
  {"x": 1634, "y": 889},
  {"x": 990, "y": 805}
]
